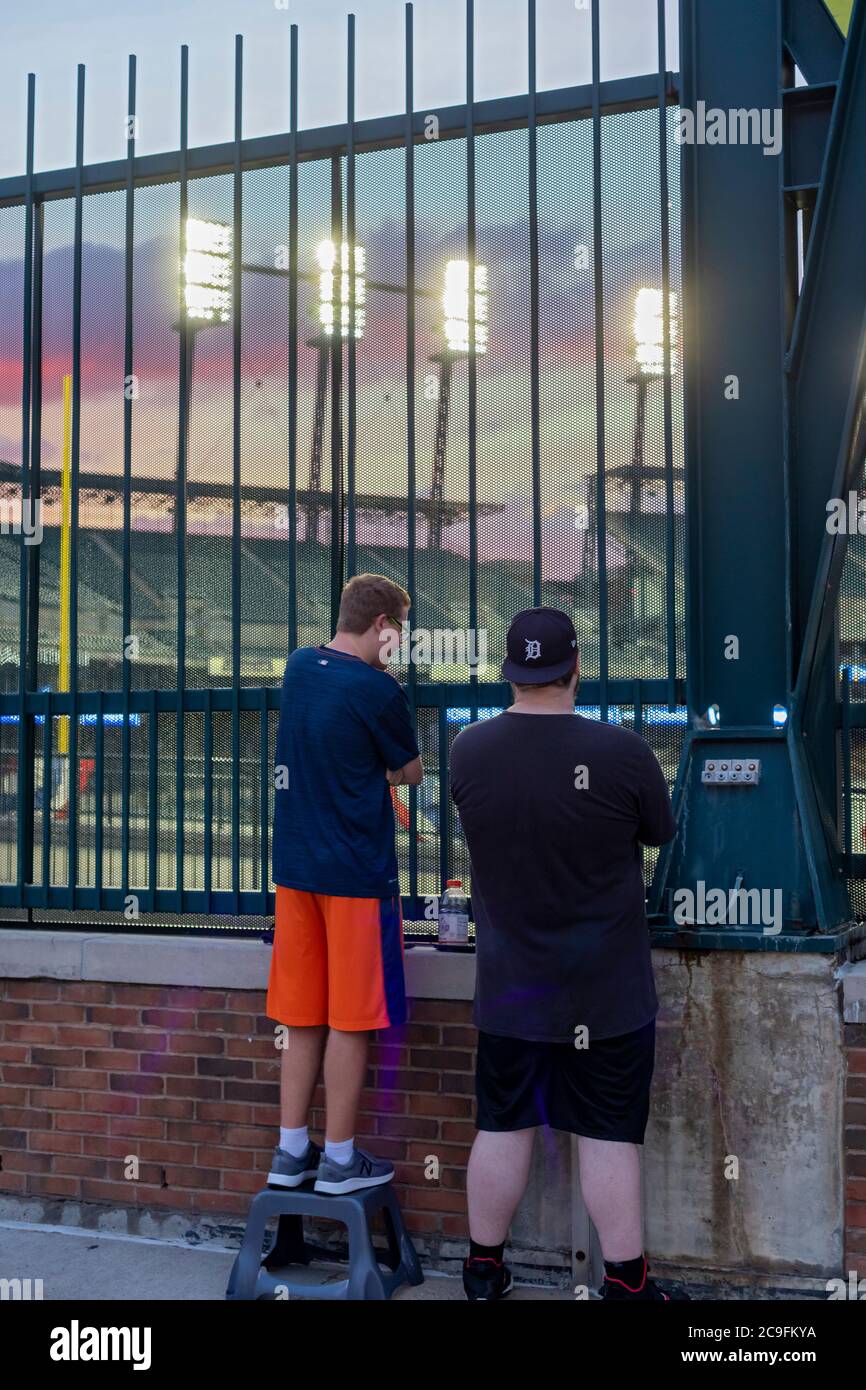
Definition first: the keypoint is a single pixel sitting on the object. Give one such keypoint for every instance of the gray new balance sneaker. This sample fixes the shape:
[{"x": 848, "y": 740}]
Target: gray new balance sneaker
[
  {"x": 363, "y": 1171},
  {"x": 287, "y": 1171}
]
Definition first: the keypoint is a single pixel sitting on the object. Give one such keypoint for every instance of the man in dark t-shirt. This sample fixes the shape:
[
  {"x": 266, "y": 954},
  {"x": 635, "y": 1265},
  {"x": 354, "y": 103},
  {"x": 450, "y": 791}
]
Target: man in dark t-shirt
[{"x": 555, "y": 808}]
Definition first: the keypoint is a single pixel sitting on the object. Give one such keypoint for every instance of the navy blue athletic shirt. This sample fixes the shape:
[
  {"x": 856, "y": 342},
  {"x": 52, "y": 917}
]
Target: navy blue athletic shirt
[{"x": 342, "y": 723}]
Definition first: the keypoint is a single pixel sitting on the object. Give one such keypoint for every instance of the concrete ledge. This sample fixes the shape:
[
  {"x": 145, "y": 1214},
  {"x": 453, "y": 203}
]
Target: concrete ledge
[
  {"x": 853, "y": 978},
  {"x": 142, "y": 960},
  {"x": 202, "y": 963},
  {"x": 432, "y": 974}
]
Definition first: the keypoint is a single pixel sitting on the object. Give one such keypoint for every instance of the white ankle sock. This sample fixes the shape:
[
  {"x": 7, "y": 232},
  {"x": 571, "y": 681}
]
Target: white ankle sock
[
  {"x": 342, "y": 1152},
  {"x": 295, "y": 1141}
]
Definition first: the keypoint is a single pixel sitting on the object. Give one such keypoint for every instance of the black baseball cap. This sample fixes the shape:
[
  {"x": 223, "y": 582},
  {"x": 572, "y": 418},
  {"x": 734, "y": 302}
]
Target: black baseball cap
[{"x": 541, "y": 645}]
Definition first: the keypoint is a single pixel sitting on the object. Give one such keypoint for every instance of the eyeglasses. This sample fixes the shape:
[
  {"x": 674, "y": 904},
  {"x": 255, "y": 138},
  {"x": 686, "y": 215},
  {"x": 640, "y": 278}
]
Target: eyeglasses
[{"x": 400, "y": 626}]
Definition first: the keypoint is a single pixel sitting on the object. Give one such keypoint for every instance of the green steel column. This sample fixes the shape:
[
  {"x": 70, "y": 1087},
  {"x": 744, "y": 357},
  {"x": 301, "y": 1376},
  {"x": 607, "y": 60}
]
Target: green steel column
[
  {"x": 827, "y": 438},
  {"x": 736, "y": 836}
]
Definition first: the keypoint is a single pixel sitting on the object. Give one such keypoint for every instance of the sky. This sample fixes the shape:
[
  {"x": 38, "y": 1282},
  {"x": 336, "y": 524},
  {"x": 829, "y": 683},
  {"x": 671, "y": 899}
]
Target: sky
[
  {"x": 102, "y": 34},
  {"x": 50, "y": 37}
]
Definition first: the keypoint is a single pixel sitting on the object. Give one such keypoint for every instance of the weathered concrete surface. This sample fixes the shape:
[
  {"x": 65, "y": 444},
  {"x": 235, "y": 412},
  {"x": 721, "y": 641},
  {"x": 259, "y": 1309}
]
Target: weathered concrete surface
[
  {"x": 230, "y": 962},
  {"x": 540, "y": 1241},
  {"x": 750, "y": 1066},
  {"x": 853, "y": 981},
  {"x": 31, "y": 953},
  {"x": 75, "y": 1264}
]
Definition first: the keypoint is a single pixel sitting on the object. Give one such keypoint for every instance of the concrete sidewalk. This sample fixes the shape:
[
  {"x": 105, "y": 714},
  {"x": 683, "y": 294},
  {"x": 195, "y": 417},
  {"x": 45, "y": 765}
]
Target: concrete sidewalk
[{"x": 75, "y": 1264}]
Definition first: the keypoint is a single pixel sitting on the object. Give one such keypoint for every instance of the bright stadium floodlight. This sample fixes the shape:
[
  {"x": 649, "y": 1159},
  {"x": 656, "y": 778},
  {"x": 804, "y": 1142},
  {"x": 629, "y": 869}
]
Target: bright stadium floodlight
[
  {"x": 207, "y": 271},
  {"x": 455, "y": 302},
  {"x": 649, "y": 333},
  {"x": 329, "y": 296}
]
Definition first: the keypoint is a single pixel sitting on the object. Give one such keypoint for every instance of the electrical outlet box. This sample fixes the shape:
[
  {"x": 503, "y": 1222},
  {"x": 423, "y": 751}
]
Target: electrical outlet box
[{"x": 732, "y": 772}]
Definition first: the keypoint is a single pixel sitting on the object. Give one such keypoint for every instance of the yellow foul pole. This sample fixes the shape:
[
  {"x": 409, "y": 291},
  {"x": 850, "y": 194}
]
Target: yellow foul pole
[
  {"x": 841, "y": 12},
  {"x": 65, "y": 558}
]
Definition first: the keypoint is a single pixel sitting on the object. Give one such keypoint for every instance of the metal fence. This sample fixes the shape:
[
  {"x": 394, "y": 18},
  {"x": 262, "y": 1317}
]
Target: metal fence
[{"x": 242, "y": 434}]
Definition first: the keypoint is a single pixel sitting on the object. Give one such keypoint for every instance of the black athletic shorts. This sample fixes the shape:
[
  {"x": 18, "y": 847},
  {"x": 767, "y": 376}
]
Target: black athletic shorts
[{"x": 601, "y": 1091}]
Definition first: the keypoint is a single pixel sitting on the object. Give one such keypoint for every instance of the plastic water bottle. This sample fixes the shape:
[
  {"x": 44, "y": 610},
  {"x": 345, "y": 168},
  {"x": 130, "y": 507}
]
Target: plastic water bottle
[{"x": 454, "y": 915}]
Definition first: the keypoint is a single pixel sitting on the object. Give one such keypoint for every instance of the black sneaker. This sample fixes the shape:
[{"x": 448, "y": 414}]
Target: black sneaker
[
  {"x": 484, "y": 1280},
  {"x": 647, "y": 1292}
]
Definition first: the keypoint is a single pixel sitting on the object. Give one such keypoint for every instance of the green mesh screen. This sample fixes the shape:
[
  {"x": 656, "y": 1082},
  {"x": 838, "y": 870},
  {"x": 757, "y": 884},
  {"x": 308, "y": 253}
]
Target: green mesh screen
[{"x": 239, "y": 569}]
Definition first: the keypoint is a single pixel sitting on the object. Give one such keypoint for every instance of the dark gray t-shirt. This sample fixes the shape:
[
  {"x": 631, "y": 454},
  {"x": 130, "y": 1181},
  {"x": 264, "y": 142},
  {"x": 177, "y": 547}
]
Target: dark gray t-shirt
[{"x": 554, "y": 808}]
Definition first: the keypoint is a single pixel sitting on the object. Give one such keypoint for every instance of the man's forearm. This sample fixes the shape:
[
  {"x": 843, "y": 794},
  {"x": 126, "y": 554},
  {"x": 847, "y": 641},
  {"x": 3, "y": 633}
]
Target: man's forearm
[{"x": 412, "y": 775}]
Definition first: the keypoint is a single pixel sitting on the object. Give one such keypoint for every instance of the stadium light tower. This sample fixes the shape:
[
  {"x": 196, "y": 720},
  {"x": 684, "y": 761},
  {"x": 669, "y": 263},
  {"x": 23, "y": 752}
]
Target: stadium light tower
[
  {"x": 649, "y": 355},
  {"x": 649, "y": 331},
  {"x": 649, "y": 336},
  {"x": 456, "y": 331},
  {"x": 206, "y": 299},
  {"x": 336, "y": 291},
  {"x": 340, "y": 312},
  {"x": 455, "y": 302},
  {"x": 207, "y": 272}
]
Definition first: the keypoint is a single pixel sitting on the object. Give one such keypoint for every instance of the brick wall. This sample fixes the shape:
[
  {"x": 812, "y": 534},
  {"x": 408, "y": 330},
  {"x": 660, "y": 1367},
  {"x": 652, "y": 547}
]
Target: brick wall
[
  {"x": 188, "y": 1081},
  {"x": 855, "y": 1149}
]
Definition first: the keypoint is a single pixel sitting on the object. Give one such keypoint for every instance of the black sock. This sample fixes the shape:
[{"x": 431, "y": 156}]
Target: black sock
[
  {"x": 628, "y": 1272},
  {"x": 485, "y": 1252}
]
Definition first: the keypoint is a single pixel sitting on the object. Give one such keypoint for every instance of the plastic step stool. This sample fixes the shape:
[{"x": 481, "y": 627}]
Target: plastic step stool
[{"x": 253, "y": 1277}]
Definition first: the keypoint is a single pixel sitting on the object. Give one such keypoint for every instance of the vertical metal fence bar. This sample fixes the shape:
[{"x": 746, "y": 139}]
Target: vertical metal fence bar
[
  {"x": 847, "y": 779},
  {"x": 444, "y": 793},
  {"x": 293, "y": 339},
  {"x": 598, "y": 280},
  {"x": 47, "y": 788},
  {"x": 351, "y": 236},
  {"x": 472, "y": 416},
  {"x": 534, "y": 312},
  {"x": 264, "y": 799},
  {"x": 638, "y": 728},
  {"x": 99, "y": 791},
  {"x": 152, "y": 800},
  {"x": 126, "y": 600},
  {"x": 336, "y": 360},
  {"x": 184, "y": 392},
  {"x": 670, "y": 515},
  {"x": 410, "y": 408},
  {"x": 237, "y": 236},
  {"x": 207, "y": 754},
  {"x": 26, "y": 742},
  {"x": 75, "y": 469},
  {"x": 31, "y": 650}
]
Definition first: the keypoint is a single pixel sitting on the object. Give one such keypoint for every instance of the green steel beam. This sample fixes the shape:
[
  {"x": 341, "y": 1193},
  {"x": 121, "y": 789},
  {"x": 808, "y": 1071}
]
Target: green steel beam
[
  {"x": 812, "y": 38},
  {"x": 566, "y": 103},
  {"x": 827, "y": 432},
  {"x": 827, "y": 341},
  {"x": 742, "y": 482},
  {"x": 733, "y": 342},
  {"x": 808, "y": 112}
]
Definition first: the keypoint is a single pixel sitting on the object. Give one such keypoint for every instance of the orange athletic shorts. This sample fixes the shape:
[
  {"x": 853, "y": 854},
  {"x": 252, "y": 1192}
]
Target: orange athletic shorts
[{"x": 336, "y": 961}]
